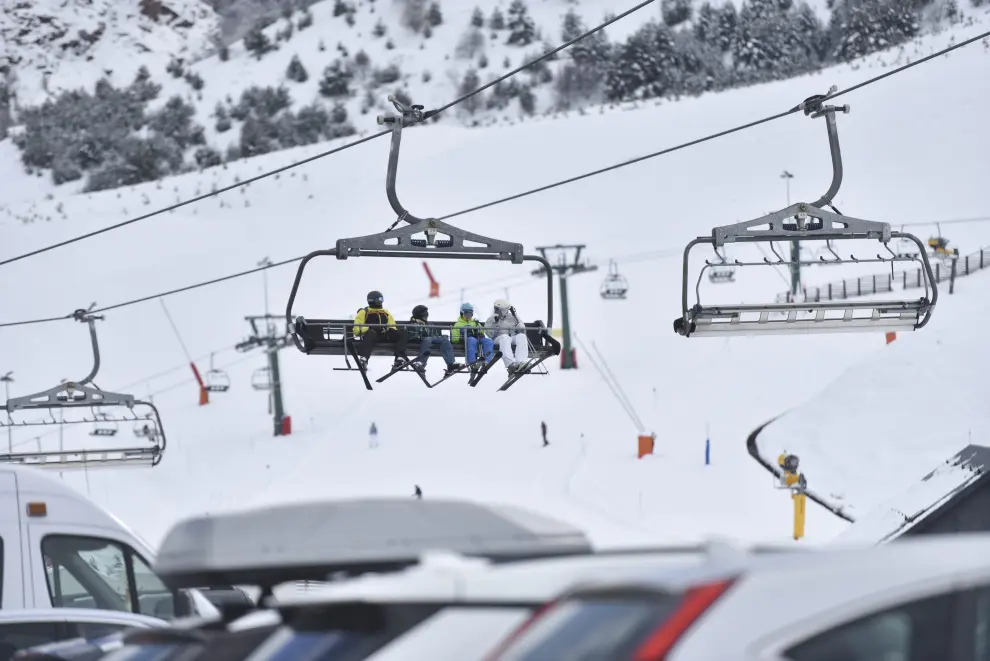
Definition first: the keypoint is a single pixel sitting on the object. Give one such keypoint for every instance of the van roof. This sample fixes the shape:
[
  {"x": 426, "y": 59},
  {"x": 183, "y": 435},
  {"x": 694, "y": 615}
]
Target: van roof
[{"x": 310, "y": 541}]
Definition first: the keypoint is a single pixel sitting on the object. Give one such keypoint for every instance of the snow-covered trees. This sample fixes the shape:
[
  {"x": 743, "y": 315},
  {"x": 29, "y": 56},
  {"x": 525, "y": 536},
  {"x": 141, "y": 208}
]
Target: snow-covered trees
[
  {"x": 861, "y": 27},
  {"x": 296, "y": 71},
  {"x": 522, "y": 30},
  {"x": 257, "y": 42},
  {"x": 336, "y": 80},
  {"x": 107, "y": 135},
  {"x": 581, "y": 79}
]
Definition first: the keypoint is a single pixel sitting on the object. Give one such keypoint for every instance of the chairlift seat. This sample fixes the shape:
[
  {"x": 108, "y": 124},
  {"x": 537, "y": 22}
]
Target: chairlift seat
[
  {"x": 330, "y": 337},
  {"x": 69, "y": 459},
  {"x": 832, "y": 317}
]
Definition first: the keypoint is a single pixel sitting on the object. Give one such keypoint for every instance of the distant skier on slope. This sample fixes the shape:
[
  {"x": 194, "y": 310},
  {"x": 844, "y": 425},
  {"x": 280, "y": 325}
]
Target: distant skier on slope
[
  {"x": 543, "y": 430},
  {"x": 509, "y": 333},
  {"x": 373, "y": 436}
]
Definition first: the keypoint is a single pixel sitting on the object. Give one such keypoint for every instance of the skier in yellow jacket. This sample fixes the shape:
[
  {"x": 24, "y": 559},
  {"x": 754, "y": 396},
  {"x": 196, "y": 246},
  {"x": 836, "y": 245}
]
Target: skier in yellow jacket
[{"x": 373, "y": 324}]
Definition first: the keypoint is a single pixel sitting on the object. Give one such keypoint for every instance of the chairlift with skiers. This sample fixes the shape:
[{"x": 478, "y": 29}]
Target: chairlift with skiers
[
  {"x": 807, "y": 222},
  {"x": 421, "y": 238},
  {"x": 75, "y": 395},
  {"x": 614, "y": 286}
]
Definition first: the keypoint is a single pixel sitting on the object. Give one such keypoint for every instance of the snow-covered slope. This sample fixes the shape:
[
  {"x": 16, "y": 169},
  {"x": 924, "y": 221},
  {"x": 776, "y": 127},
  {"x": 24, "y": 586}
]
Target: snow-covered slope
[
  {"x": 903, "y": 411},
  {"x": 56, "y": 45},
  {"x": 469, "y": 442}
]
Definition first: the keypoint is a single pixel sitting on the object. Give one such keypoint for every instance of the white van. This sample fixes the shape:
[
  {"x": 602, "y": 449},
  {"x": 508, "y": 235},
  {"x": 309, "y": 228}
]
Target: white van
[{"x": 60, "y": 549}]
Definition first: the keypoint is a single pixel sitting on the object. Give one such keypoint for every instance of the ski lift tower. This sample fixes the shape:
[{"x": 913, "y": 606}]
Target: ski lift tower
[
  {"x": 795, "y": 244},
  {"x": 565, "y": 270},
  {"x": 273, "y": 343}
]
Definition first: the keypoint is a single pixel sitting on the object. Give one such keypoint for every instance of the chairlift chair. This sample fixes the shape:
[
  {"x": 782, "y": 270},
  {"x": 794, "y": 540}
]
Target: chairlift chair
[
  {"x": 104, "y": 425},
  {"x": 72, "y": 395},
  {"x": 721, "y": 273},
  {"x": 217, "y": 380},
  {"x": 421, "y": 238},
  {"x": 807, "y": 222},
  {"x": 614, "y": 286},
  {"x": 261, "y": 379}
]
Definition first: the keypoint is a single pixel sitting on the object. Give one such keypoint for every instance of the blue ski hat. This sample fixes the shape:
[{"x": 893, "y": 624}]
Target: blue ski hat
[{"x": 466, "y": 307}]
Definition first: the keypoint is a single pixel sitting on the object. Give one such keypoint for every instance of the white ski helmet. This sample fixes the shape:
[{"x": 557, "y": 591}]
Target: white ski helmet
[{"x": 501, "y": 305}]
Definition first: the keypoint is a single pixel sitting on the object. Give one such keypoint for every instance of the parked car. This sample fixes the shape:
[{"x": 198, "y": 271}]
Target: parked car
[
  {"x": 924, "y": 599},
  {"x": 24, "y": 629}
]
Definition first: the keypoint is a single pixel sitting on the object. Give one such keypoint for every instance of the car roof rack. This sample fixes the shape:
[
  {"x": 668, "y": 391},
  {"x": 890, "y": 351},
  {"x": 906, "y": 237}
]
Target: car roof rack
[{"x": 278, "y": 544}]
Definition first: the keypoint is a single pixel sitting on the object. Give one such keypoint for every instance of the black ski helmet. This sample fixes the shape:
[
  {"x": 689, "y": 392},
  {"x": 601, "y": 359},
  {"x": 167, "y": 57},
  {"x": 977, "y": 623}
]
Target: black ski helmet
[
  {"x": 420, "y": 312},
  {"x": 375, "y": 299}
]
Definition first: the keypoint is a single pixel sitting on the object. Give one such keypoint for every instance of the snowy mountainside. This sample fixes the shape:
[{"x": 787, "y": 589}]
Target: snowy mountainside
[
  {"x": 912, "y": 406},
  {"x": 318, "y": 72},
  {"x": 53, "y": 45},
  {"x": 474, "y": 442}
]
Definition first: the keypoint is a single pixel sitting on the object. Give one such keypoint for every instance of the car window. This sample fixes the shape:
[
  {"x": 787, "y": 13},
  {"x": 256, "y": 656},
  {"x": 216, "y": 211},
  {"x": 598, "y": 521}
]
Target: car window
[
  {"x": 91, "y": 630},
  {"x": 86, "y": 572},
  {"x": 14, "y": 637},
  {"x": 599, "y": 627},
  {"x": 153, "y": 597},
  {"x": 916, "y": 631}
]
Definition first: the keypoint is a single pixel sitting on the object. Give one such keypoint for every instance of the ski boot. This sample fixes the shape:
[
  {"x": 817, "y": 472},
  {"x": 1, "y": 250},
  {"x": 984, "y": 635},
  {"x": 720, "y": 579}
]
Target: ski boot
[{"x": 453, "y": 367}]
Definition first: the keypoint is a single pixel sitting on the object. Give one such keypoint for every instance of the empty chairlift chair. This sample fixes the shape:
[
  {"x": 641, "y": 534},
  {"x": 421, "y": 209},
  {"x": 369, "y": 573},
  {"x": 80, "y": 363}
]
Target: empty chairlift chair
[
  {"x": 109, "y": 409},
  {"x": 261, "y": 379},
  {"x": 614, "y": 286},
  {"x": 807, "y": 222},
  {"x": 216, "y": 379}
]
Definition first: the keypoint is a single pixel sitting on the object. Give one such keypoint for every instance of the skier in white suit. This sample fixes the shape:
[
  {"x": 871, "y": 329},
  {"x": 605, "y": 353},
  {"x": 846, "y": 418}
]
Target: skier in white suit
[{"x": 509, "y": 334}]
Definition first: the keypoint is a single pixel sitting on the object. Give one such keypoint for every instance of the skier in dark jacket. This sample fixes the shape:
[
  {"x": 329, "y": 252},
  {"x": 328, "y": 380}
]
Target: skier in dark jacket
[{"x": 429, "y": 337}]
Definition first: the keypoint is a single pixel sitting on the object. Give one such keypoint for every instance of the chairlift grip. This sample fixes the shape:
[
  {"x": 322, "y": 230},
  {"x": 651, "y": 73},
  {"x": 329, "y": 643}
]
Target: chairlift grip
[{"x": 84, "y": 316}]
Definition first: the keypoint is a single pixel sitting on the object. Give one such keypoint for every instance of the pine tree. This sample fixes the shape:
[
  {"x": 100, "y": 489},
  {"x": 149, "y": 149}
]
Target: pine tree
[
  {"x": 434, "y": 17},
  {"x": 223, "y": 119},
  {"x": 379, "y": 30},
  {"x": 470, "y": 83},
  {"x": 706, "y": 24},
  {"x": 336, "y": 80},
  {"x": 522, "y": 30},
  {"x": 257, "y": 42},
  {"x": 340, "y": 8},
  {"x": 497, "y": 20},
  {"x": 414, "y": 14},
  {"x": 477, "y": 18},
  {"x": 296, "y": 71},
  {"x": 527, "y": 100},
  {"x": 675, "y": 12},
  {"x": 728, "y": 25}
]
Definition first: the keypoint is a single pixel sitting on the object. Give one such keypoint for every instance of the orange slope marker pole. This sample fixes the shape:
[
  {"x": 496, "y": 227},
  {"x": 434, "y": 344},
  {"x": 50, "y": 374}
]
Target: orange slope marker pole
[
  {"x": 204, "y": 395},
  {"x": 434, "y": 285}
]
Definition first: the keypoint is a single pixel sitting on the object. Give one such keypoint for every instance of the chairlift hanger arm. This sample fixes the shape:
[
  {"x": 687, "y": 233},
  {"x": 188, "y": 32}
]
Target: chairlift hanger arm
[
  {"x": 90, "y": 319},
  {"x": 408, "y": 116},
  {"x": 814, "y": 107}
]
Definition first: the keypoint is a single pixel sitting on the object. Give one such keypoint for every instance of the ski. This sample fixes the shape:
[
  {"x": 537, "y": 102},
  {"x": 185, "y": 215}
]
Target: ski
[
  {"x": 364, "y": 372},
  {"x": 459, "y": 370},
  {"x": 528, "y": 367},
  {"x": 401, "y": 367},
  {"x": 475, "y": 378}
]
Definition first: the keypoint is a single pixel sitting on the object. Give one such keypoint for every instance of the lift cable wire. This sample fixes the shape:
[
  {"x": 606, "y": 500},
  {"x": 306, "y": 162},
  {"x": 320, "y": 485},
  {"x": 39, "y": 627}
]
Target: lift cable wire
[
  {"x": 336, "y": 150},
  {"x": 505, "y": 199},
  {"x": 622, "y": 401},
  {"x": 707, "y": 138}
]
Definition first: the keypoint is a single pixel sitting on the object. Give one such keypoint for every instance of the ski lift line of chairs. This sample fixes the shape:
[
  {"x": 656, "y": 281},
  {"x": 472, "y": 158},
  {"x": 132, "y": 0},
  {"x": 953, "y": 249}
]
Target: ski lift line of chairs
[
  {"x": 614, "y": 286},
  {"x": 421, "y": 238},
  {"x": 73, "y": 395},
  {"x": 806, "y": 222},
  {"x": 216, "y": 380}
]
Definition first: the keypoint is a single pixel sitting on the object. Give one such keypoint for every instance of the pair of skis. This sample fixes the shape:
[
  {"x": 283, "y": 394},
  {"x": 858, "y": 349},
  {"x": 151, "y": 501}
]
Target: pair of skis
[{"x": 406, "y": 365}]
